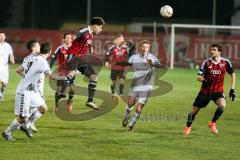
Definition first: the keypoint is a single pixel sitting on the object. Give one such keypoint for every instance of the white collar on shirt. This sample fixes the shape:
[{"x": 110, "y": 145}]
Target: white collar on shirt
[{"x": 90, "y": 31}]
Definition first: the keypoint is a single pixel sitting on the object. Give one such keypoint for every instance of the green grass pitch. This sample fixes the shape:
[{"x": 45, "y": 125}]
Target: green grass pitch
[{"x": 104, "y": 137}]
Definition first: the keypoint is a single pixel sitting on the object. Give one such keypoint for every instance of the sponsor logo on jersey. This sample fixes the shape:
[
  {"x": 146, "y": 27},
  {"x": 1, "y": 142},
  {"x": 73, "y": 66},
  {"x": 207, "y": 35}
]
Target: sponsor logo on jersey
[{"x": 215, "y": 71}]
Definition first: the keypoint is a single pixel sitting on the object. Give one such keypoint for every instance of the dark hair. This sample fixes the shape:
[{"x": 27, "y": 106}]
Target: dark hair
[
  {"x": 45, "y": 48},
  {"x": 98, "y": 21},
  {"x": 218, "y": 45},
  {"x": 30, "y": 44},
  {"x": 65, "y": 34}
]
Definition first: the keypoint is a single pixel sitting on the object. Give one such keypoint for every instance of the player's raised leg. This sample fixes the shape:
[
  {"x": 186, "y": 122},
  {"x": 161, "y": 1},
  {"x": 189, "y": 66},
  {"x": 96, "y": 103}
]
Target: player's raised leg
[
  {"x": 139, "y": 107},
  {"x": 129, "y": 107},
  {"x": 190, "y": 118},
  {"x": 91, "y": 87}
]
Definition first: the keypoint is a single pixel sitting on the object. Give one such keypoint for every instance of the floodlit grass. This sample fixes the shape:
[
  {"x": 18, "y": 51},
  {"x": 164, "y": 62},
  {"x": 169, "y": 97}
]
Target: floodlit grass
[{"x": 157, "y": 135}]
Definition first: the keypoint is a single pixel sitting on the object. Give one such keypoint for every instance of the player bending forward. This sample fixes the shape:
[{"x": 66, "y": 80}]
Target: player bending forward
[
  {"x": 143, "y": 65},
  {"x": 29, "y": 92},
  {"x": 212, "y": 74}
]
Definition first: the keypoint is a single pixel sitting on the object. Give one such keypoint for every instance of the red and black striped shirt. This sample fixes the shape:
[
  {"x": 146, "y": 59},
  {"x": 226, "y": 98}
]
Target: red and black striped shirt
[
  {"x": 61, "y": 55},
  {"x": 117, "y": 54},
  {"x": 214, "y": 72},
  {"x": 82, "y": 43}
]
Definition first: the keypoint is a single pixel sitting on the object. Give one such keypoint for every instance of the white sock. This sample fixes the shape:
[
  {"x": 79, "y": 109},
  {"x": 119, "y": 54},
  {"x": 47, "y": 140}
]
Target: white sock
[
  {"x": 135, "y": 118},
  {"x": 33, "y": 118},
  {"x": 13, "y": 126}
]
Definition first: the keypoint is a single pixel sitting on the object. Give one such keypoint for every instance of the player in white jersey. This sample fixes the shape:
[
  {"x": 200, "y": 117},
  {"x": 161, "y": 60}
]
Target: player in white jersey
[
  {"x": 6, "y": 52},
  {"x": 143, "y": 65},
  {"x": 34, "y": 49},
  {"x": 29, "y": 92}
]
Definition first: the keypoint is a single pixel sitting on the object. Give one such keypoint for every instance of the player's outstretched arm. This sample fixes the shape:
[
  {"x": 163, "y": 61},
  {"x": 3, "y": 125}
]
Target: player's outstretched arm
[
  {"x": 55, "y": 76},
  {"x": 155, "y": 64}
]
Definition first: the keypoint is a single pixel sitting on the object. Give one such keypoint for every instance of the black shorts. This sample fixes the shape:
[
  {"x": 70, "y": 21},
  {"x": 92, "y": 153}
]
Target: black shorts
[
  {"x": 75, "y": 63},
  {"x": 202, "y": 100},
  {"x": 61, "y": 82},
  {"x": 117, "y": 73}
]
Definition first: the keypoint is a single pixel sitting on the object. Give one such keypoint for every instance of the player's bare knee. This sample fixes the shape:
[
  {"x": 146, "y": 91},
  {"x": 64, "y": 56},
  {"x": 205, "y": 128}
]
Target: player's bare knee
[
  {"x": 21, "y": 119},
  {"x": 4, "y": 85},
  {"x": 121, "y": 81},
  {"x": 139, "y": 107},
  {"x": 93, "y": 77},
  {"x": 221, "y": 103},
  {"x": 43, "y": 109},
  {"x": 71, "y": 92},
  {"x": 131, "y": 101},
  {"x": 113, "y": 82}
]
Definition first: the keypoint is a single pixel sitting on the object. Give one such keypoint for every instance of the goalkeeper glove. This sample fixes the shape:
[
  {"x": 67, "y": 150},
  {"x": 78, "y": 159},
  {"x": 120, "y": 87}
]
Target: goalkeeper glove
[
  {"x": 206, "y": 83},
  {"x": 232, "y": 94}
]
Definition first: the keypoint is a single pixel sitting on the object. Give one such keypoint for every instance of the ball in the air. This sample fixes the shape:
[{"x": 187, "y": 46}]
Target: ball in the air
[{"x": 166, "y": 11}]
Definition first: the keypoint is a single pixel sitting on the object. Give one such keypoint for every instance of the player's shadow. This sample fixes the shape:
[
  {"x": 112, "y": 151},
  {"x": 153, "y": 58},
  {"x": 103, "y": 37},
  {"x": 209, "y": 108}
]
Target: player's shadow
[
  {"x": 105, "y": 107},
  {"x": 163, "y": 87}
]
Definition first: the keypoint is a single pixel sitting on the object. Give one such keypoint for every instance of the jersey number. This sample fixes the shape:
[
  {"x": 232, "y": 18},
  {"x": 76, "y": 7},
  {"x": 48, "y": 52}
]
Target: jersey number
[{"x": 28, "y": 66}]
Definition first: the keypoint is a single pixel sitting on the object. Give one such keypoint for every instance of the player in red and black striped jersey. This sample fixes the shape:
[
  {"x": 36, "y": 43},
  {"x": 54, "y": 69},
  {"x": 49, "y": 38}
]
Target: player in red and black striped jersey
[
  {"x": 60, "y": 54},
  {"x": 117, "y": 53},
  {"x": 212, "y": 74},
  {"x": 77, "y": 54}
]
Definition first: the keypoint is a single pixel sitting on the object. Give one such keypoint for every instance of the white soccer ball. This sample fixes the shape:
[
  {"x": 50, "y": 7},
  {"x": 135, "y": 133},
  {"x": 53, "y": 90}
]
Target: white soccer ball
[{"x": 166, "y": 11}]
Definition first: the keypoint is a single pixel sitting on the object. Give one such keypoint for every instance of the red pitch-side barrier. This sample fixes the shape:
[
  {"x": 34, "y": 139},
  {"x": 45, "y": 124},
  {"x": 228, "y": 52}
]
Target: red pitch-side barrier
[{"x": 190, "y": 49}]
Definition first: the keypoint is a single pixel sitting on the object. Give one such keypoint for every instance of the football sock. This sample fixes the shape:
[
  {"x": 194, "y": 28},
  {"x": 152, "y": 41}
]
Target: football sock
[
  {"x": 33, "y": 118},
  {"x": 128, "y": 111},
  {"x": 217, "y": 114},
  {"x": 91, "y": 90},
  {"x": 121, "y": 87},
  {"x": 13, "y": 126},
  {"x": 71, "y": 94},
  {"x": 135, "y": 118},
  {"x": 191, "y": 117},
  {"x": 113, "y": 88},
  {"x": 2, "y": 90},
  {"x": 56, "y": 98}
]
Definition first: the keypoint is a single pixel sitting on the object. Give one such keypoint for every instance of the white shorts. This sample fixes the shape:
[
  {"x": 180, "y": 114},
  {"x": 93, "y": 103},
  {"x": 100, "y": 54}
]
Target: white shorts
[
  {"x": 4, "y": 73},
  {"x": 25, "y": 100},
  {"x": 140, "y": 96}
]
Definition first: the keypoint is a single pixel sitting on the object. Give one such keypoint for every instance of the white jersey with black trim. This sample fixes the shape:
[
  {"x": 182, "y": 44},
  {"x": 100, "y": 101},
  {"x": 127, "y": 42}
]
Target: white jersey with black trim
[
  {"x": 143, "y": 73},
  {"x": 35, "y": 67}
]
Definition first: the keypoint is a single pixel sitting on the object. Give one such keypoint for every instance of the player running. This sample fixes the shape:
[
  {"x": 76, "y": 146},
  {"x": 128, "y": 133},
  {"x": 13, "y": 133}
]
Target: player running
[
  {"x": 29, "y": 92},
  {"x": 60, "y": 54},
  {"x": 6, "y": 52},
  {"x": 212, "y": 74},
  {"x": 77, "y": 57},
  {"x": 143, "y": 65}
]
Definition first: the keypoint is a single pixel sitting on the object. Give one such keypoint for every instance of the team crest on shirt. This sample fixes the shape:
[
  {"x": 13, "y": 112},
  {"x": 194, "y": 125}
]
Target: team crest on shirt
[
  {"x": 210, "y": 67},
  {"x": 221, "y": 65}
]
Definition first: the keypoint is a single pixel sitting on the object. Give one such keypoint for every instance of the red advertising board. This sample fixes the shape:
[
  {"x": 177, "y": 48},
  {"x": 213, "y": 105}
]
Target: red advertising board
[{"x": 189, "y": 48}]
